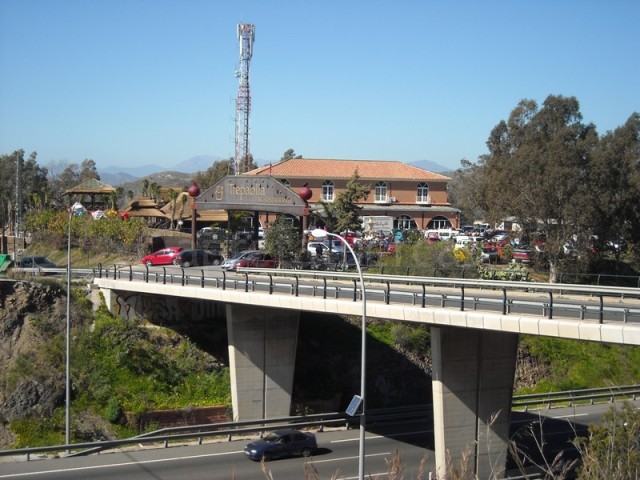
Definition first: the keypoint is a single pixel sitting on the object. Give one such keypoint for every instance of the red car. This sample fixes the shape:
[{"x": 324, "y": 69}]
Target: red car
[
  {"x": 256, "y": 260},
  {"x": 164, "y": 256}
]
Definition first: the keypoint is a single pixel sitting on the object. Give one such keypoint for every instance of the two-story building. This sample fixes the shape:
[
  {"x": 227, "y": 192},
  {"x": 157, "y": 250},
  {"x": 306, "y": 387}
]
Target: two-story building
[{"x": 401, "y": 195}]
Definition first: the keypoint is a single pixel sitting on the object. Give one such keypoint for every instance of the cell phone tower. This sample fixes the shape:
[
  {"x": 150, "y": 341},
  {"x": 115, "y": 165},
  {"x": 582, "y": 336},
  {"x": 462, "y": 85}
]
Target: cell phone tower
[{"x": 246, "y": 36}]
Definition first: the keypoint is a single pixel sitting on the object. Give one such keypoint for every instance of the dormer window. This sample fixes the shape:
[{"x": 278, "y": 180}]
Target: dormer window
[
  {"x": 381, "y": 193},
  {"x": 327, "y": 191}
]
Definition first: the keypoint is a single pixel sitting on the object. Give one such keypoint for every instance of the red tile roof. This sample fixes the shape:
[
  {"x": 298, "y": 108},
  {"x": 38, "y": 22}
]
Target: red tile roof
[{"x": 367, "y": 170}]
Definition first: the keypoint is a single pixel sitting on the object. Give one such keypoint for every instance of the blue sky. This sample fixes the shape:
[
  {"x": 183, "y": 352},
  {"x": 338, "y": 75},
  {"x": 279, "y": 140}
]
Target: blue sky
[{"x": 134, "y": 82}]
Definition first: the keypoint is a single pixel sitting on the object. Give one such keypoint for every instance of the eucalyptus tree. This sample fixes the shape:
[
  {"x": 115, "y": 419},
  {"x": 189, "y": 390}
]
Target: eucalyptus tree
[
  {"x": 538, "y": 170},
  {"x": 88, "y": 170},
  {"x": 465, "y": 192},
  {"x": 616, "y": 184},
  {"x": 217, "y": 171},
  {"x": 32, "y": 190},
  {"x": 289, "y": 154}
]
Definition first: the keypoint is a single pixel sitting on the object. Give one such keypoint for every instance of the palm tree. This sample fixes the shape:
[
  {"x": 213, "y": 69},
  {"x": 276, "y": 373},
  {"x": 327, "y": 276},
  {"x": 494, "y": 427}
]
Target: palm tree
[
  {"x": 155, "y": 192},
  {"x": 173, "y": 195}
]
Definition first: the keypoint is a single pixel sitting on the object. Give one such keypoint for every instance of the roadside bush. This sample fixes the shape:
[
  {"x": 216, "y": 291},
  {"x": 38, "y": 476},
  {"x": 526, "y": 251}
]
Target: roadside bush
[
  {"x": 612, "y": 449},
  {"x": 113, "y": 411}
]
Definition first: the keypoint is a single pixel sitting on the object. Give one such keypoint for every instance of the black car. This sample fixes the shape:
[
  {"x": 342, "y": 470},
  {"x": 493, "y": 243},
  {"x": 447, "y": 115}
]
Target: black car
[
  {"x": 35, "y": 262},
  {"x": 282, "y": 443},
  {"x": 193, "y": 258}
]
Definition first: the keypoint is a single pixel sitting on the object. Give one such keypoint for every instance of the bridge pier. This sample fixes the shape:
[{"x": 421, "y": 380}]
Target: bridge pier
[
  {"x": 262, "y": 354},
  {"x": 473, "y": 376}
]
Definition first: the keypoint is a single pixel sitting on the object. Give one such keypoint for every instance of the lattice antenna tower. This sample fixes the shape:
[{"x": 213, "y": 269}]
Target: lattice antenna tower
[{"x": 246, "y": 36}]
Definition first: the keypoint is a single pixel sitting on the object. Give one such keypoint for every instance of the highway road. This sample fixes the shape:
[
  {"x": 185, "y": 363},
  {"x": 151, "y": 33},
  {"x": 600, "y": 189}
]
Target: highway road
[{"x": 337, "y": 456}]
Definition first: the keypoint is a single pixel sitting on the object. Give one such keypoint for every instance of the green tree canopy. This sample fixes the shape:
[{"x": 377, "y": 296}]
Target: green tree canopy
[
  {"x": 289, "y": 154},
  {"x": 33, "y": 187},
  {"x": 347, "y": 211},
  {"x": 282, "y": 239},
  {"x": 216, "y": 172},
  {"x": 615, "y": 183},
  {"x": 538, "y": 170}
]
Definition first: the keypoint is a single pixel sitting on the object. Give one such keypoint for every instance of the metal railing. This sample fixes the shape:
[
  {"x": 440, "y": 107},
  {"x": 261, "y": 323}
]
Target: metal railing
[{"x": 546, "y": 299}]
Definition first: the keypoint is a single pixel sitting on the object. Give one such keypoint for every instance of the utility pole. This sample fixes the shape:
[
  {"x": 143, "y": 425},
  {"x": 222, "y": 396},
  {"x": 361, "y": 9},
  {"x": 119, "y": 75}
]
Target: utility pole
[{"x": 18, "y": 213}]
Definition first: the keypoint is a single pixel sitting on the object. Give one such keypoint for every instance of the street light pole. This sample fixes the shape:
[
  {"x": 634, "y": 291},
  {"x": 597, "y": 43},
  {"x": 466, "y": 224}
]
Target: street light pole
[
  {"x": 319, "y": 233},
  {"x": 67, "y": 422}
]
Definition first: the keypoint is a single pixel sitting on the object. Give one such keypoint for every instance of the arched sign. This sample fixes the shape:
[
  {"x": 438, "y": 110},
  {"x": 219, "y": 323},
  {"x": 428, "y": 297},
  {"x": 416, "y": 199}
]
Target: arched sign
[{"x": 255, "y": 193}]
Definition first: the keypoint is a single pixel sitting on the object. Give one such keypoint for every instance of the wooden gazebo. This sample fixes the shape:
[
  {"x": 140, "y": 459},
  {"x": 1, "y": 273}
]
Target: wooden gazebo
[
  {"x": 145, "y": 207},
  {"x": 93, "y": 188}
]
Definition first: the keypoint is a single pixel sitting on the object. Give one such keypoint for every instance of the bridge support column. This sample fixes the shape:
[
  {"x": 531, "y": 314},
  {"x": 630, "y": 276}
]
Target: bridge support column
[
  {"x": 473, "y": 375},
  {"x": 262, "y": 354}
]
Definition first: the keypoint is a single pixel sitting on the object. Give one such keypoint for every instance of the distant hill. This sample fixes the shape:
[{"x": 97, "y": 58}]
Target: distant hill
[
  {"x": 165, "y": 179},
  {"x": 115, "y": 179},
  {"x": 431, "y": 166},
  {"x": 117, "y": 175}
]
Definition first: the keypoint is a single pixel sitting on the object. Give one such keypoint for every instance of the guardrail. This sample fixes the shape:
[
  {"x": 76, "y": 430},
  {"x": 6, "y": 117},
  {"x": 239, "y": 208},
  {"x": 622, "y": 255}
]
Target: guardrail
[
  {"x": 228, "y": 430},
  {"x": 576, "y": 397},
  {"x": 375, "y": 416},
  {"x": 564, "y": 300},
  {"x": 37, "y": 271}
]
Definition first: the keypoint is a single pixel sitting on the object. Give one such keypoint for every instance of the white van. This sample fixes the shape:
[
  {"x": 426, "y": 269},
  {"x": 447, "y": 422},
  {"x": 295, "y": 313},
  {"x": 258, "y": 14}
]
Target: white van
[
  {"x": 441, "y": 234},
  {"x": 463, "y": 241}
]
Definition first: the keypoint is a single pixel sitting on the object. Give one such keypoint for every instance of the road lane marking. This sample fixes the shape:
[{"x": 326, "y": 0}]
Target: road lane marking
[
  {"x": 375, "y": 437},
  {"x": 349, "y": 458},
  {"x": 115, "y": 465}
]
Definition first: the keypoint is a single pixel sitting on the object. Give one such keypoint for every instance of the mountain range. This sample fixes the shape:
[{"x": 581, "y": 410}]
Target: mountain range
[{"x": 118, "y": 175}]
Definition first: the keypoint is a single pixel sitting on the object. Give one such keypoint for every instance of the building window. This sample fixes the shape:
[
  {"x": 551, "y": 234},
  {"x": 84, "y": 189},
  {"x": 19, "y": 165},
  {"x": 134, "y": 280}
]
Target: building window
[
  {"x": 422, "y": 194},
  {"x": 404, "y": 222},
  {"x": 327, "y": 191},
  {"x": 439, "y": 223},
  {"x": 381, "y": 192},
  {"x": 285, "y": 182}
]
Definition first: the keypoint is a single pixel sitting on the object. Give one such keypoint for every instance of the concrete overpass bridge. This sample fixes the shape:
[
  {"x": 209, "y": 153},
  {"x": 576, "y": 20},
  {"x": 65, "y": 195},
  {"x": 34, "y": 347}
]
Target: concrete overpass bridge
[{"x": 475, "y": 326}]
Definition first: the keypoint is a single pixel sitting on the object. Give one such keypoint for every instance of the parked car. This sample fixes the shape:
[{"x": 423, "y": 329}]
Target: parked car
[
  {"x": 522, "y": 254},
  {"x": 489, "y": 255},
  {"x": 205, "y": 231},
  {"x": 229, "y": 263},
  {"x": 499, "y": 235},
  {"x": 316, "y": 247},
  {"x": 336, "y": 246},
  {"x": 192, "y": 258},
  {"x": 163, "y": 256},
  {"x": 282, "y": 443},
  {"x": 35, "y": 262},
  {"x": 256, "y": 260}
]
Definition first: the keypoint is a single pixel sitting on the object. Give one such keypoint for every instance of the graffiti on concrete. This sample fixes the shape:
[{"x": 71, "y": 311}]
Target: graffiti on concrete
[{"x": 165, "y": 310}]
